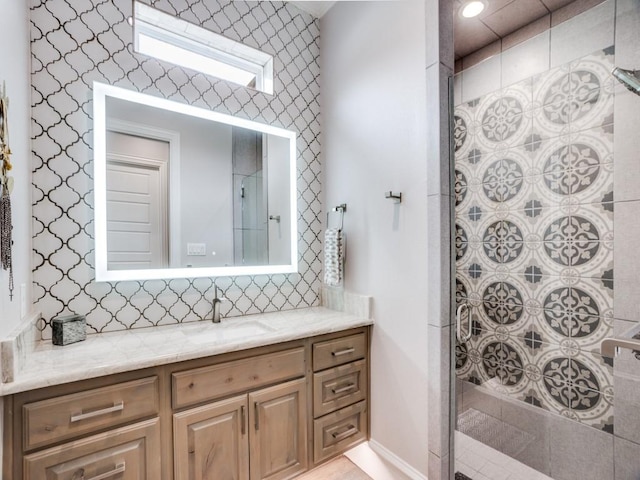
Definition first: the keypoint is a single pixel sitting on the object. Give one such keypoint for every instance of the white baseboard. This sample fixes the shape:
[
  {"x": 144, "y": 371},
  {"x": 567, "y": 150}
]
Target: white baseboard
[{"x": 396, "y": 461}]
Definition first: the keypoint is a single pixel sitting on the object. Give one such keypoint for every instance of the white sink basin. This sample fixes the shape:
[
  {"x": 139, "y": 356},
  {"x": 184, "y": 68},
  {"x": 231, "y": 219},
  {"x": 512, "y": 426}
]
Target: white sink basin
[{"x": 226, "y": 332}]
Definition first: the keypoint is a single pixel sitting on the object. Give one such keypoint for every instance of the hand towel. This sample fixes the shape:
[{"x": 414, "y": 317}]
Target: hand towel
[{"x": 333, "y": 256}]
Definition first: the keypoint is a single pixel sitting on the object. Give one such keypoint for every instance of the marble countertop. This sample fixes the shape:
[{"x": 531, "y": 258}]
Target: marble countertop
[{"x": 108, "y": 353}]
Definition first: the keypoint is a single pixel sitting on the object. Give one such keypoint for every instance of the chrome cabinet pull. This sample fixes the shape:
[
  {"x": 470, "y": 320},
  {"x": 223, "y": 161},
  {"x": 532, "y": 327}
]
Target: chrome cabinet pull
[
  {"x": 243, "y": 419},
  {"x": 346, "y": 351},
  {"x": 117, "y": 407},
  {"x": 119, "y": 468},
  {"x": 257, "y": 415},
  {"x": 346, "y": 388},
  {"x": 463, "y": 338},
  {"x": 351, "y": 430}
]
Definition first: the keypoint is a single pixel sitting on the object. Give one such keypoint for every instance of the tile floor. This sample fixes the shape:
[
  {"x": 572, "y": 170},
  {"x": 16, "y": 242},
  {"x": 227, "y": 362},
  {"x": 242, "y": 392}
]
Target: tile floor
[
  {"x": 339, "y": 469},
  {"x": 474, "y": 461},
  {"x": 481, "y": 462},
  {"x": 373, "y": 464}
]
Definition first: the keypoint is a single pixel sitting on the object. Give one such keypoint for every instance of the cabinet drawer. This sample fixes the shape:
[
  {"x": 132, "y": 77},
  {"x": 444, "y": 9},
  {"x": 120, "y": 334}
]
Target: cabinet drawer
[
  {"x": 68, "y": 416},
  {"x": 334, "y": 433},
  {"x": 128, "y": 453},
  {"x": 339, "y": 387},
  {"x": 207, "y": 383},
  {"x": 339, "y": 351}
]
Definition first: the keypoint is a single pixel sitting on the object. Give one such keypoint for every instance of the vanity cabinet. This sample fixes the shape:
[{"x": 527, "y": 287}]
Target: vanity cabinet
[{"x": 268, "y": 413}]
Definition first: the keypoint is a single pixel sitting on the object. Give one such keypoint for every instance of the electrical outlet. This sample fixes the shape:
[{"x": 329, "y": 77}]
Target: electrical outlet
[{"x": 196, "y": 249}]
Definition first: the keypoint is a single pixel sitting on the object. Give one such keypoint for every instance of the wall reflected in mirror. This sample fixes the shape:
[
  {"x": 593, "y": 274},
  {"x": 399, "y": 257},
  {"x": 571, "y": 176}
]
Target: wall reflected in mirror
[{"x": 186, "y": 192}]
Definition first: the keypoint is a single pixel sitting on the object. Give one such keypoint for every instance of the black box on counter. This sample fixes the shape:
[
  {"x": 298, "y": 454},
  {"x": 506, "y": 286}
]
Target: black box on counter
[{"x": 69, "y": 329}]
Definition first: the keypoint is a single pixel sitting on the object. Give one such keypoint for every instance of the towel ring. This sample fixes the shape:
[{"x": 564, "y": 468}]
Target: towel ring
[{"x": 340, "y": 208}]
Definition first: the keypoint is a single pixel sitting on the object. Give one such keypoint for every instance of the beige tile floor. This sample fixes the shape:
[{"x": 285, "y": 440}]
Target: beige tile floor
[
  {"x": 359, "y": 463},
  {"x": 339, "y": 469}
]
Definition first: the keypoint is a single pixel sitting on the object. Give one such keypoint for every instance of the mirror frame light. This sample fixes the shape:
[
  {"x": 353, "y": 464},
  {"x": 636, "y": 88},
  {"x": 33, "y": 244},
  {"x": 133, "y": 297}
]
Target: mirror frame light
[{"x": 100, "y": 93}]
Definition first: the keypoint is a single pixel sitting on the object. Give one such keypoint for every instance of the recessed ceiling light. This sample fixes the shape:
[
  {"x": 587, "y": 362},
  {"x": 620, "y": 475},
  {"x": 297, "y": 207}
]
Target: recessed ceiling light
[{"x": 472, "y": 9}]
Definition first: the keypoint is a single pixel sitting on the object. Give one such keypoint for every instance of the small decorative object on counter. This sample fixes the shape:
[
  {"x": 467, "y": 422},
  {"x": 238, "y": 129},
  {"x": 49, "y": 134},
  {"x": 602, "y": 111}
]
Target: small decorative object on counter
[{"x": 69, "y": 329}]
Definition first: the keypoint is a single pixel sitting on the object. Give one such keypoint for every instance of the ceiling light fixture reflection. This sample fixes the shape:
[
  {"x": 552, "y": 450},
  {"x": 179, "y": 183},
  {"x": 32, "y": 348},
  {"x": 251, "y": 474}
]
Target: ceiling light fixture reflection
[{"x": 472, "y": 9}]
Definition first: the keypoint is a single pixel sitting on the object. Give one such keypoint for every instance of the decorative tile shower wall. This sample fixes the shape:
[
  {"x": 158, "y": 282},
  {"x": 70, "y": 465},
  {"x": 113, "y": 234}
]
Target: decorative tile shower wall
[
  {"x": 76, "y": 42},
  {"x": 534, "y": 239}
]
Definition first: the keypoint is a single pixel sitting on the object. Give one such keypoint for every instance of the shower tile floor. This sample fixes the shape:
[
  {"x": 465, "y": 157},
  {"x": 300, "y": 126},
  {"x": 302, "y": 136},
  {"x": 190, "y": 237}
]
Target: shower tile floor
[{"x": 481, "y": 462}]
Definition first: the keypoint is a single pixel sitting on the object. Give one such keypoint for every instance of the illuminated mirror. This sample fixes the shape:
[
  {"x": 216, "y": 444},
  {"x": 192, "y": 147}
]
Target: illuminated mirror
[{"x": 181, "y": 191}]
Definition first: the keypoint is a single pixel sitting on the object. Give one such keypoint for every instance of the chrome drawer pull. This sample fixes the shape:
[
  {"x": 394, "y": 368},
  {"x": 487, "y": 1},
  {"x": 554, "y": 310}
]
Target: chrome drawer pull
[
  {"x": 347, "y": 433},
  {"x": 346, "y": 388},
  {"x": 118, "y": 407},
  {"x": 346, "y": 351},
  {"x": 120, "y": 468}
]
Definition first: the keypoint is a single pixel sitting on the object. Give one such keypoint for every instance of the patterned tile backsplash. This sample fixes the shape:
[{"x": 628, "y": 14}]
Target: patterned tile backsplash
[
  {"x": 76, "y": 42},
  {"x": 534, "y": 239}
]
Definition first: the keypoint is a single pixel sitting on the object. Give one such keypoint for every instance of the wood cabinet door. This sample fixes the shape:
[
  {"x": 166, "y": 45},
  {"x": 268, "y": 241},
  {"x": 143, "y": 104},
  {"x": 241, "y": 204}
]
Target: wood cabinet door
[
  {"x": 127, "y": 453},
  {"x": 211, "y": 442},
  {"x": 278, "y": 431}
]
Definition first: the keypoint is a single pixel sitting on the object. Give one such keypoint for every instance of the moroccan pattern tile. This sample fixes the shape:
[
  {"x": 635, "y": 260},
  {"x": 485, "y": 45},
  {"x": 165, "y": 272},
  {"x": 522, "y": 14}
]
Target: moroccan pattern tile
[
  {"x": 76, "y": 43},
  {"x": 534, "y": 239}
]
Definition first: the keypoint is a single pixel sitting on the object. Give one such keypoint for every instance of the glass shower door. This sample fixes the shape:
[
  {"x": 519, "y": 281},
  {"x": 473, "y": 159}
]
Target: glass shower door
[{"x": 546, "y": 222}]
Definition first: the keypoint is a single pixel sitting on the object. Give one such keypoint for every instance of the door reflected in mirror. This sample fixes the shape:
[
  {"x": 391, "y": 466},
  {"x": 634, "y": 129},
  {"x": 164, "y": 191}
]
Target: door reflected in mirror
[{"x": 187, "y": 192}]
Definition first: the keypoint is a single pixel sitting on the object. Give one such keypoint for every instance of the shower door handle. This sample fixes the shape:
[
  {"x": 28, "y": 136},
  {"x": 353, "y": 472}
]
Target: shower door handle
[
  {"x": 610, "y": 347},
  {"x": 463, "y": 338}
]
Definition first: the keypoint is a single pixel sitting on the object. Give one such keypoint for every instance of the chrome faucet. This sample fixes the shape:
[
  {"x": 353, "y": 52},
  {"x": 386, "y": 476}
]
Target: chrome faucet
[{"x": 217, "y": 301}]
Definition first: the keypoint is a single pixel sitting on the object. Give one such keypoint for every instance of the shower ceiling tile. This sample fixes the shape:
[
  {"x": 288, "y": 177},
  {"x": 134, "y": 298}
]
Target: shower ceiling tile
[
  {"x": 556, "y": 4},
  {"x": 470, "y": 35},
  {"x": 570, "y": 10},
  {"x": 515, "y": 15}
]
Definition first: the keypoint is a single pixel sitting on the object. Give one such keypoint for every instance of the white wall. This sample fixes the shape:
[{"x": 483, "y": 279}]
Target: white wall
[
  {"x": 14, "y": 70},
  {"x": 373, "y": 103},
  {"x": 14, "y": 58}
]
